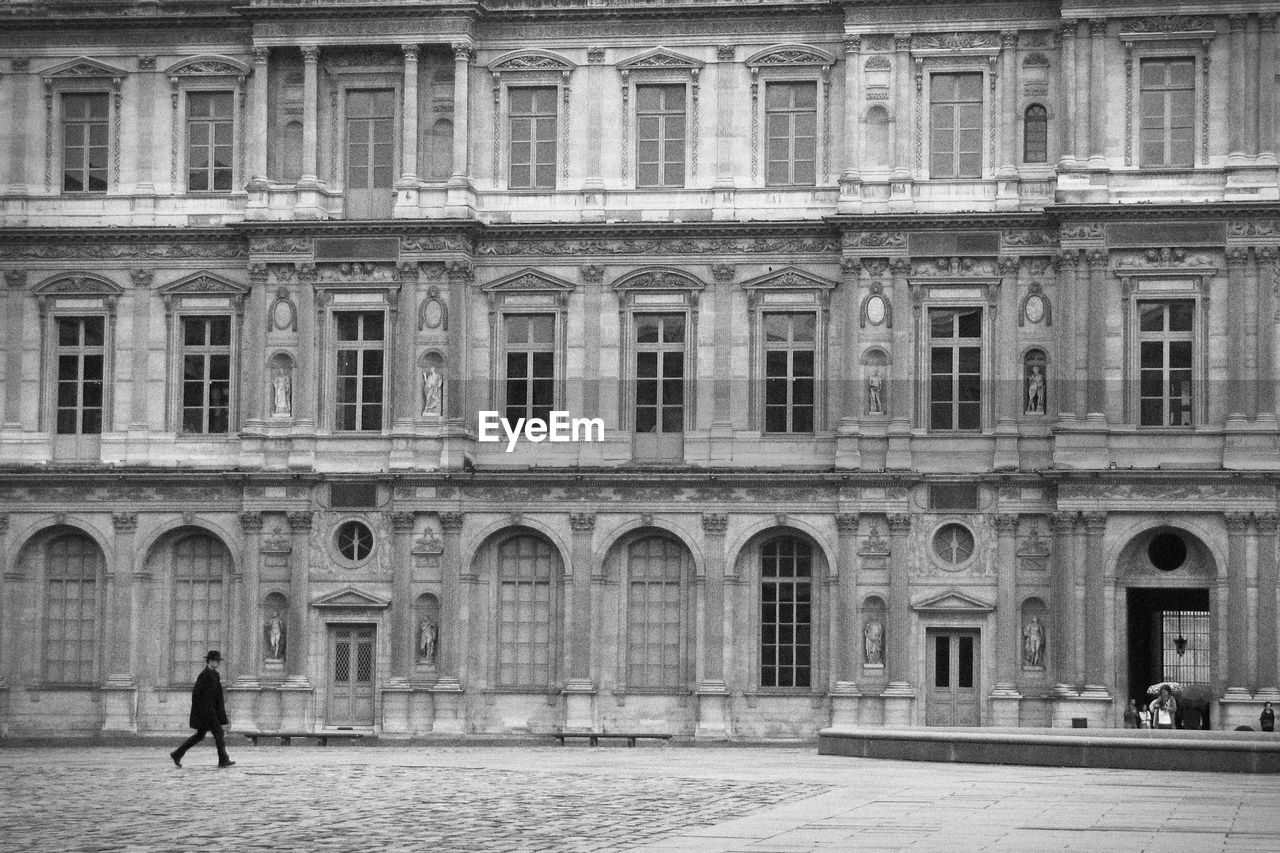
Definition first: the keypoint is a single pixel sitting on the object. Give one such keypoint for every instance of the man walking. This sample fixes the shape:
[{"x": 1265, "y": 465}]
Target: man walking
[{"x": 208, "y": 714}]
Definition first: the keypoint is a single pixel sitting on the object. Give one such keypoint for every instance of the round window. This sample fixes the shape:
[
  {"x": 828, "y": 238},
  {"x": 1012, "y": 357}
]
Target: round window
[
  {"x": 1167, "y": 551},
  {"x": 953, "y": 543},
  {"x": 355, "y": 541}
]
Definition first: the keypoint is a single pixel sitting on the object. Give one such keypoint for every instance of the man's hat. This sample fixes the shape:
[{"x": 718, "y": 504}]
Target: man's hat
[{"x": 213, "y": 655}]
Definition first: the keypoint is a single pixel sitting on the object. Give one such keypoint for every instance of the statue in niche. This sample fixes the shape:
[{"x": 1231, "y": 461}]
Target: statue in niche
[
  {"x": 274, "y": 631},
  {"x": 875, "y": 385},
  {"x": 1033, "y": 643},
  {"x": 281, "y": 392},
  {"x": 873, "y": 643},
  {"x": 1035, "y": 391},
  {"x": 428, "y": 632},
  {"x": 432, "y": 387}
]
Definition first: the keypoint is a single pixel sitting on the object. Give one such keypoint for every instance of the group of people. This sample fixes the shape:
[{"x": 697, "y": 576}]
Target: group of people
[{"x": 1162, "y": 713}]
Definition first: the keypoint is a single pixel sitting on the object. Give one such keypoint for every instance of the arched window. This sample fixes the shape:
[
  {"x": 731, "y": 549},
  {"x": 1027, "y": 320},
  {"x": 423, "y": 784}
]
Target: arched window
[
  {"x": 655, "y": 568},
  {"x": 1035, "y": 135},
  {"x": 199, "y": 566},
  {"x": 526, "y": 569},
  {"x": 876, "y": 148},
  {"x": 786, "y": 642},
  {"x": 72, "y": 564},
  {"x": 292, "y": 146}
]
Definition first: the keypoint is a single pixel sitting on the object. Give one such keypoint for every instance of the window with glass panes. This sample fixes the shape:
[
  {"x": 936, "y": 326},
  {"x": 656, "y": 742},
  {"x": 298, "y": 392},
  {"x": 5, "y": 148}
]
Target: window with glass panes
[
  {"x": 533, "y": 137},
  {"x": 660, "y": 372},
  {"x": 86, "y": 120},
  {"x": 531, "y": 361},
  {"x": 791, "y": 123},
  {"x": 955, "y": 368},
  {"x": 209, "y": 135},
  {"x": 199, "y": 566},
  {"x": 1165, "y": 347},
  {"x": 1035, "y": 134},
  {"x": 206, "y": 374},
  {"x": 72, "y": 564},
  {"x": 360, "y": 356},
  {"x": 955, "y": 125},
  {"x": 660, "y": 135},
  {"x": 786, "y": 629},
  {"x": 525, "y": 570},
  {"x": 1167, "y": 93},
  {"x": 655, "y": 566},
  {"x": 789, "y": 352},
  {"x": 81, "y": 355}
]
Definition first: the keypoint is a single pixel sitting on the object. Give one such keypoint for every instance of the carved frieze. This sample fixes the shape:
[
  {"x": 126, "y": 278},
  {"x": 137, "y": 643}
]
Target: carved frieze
[
  {"x": 662, "y": 246},
  {"x": 1173, "y": 493},
  {"x": 955, "y": 41},
  {"x": 83, "y": 250}
]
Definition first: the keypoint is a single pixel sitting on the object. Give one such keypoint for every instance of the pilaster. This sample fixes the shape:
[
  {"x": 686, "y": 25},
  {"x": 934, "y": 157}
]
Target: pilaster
[
  {"x": 407, "y": 185},
  {"x": 1066, "y": 641},
  {"x": 454, "y": 611},
  {"x": 1266, "y": 637},
  {"x": 1236, "y": 614},
  {"x": 248, "y": 626},
  {"x": 460, "y": 198},
  {"x": 297, "y": 660},
  {"x": 713, "y": 718},
  {"x": 1095, "y": 367},
  {"x": 402, "y": 660},
  {"x": 898, "y": 635},
  {"x": 1095, "y": 622}
]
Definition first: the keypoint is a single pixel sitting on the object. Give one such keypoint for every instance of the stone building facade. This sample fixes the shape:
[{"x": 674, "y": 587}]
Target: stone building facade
[{"x": 934, "y": 346}]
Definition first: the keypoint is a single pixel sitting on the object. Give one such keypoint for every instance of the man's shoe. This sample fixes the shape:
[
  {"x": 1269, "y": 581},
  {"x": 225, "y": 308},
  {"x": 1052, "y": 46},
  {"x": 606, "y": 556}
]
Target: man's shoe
[
  {"x": 226, "y": 763},
  {"x": 177, "y": 761}
]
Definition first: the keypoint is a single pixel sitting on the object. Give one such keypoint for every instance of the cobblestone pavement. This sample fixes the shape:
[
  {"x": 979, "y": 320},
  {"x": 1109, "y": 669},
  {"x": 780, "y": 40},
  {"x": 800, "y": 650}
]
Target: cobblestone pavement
[{"x": 655, "y": 799}]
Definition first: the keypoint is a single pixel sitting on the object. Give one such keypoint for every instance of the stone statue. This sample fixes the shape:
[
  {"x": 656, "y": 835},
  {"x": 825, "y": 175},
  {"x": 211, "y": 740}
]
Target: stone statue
[
  {"x": 1035, "y": 391},
  {"x": 281, "y": 392},
  {"x": 275, "y": 636},
  {"x": 432, "y": 383},
  {"x": 427, "y": 634},
  {"x": 873, "y": 643},
  {"x": 1033, "y": 643},
  {"x": 875, "y": 404}
]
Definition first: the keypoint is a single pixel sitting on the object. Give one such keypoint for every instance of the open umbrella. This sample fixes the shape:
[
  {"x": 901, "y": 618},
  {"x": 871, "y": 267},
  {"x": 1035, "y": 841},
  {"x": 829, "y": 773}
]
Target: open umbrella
[{"x": 1174, "y": 687}]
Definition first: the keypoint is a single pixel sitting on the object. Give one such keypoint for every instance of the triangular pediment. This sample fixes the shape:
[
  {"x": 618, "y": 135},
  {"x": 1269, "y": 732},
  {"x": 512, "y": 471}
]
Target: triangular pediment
[
  {"x": 791, "y": 55},
  {"x": 203, "y": 282},
  {"x": 788, "y": 278},
  {"x": 207, "y": 65},
  {"x": 530, "y": 60},
  {"x": 84, "y": 67},
  {"x": 351, "y": 597},
  {"x": 86, "y": 284},
  {"x": 952, "y": 601},
  {"x": 528, "y": 280},
  {"x": 659, "y": 57}
]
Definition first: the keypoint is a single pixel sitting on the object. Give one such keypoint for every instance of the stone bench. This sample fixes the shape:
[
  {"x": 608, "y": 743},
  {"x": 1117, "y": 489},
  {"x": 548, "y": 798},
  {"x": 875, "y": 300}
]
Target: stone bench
[
  {"x": 595, "y": 737},
  {"x": 285, "y": 737}
]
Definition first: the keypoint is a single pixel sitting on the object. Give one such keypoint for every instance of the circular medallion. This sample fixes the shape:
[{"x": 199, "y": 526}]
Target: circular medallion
[
  {"x": 432, "y": 314},
  {"x": 876, "y": 310},
  {"x": 282, "y": 315},
  {"x": 1035, "y": 308}
]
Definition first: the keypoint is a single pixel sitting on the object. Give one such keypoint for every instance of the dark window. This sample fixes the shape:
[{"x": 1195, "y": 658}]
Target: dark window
[
  {"x": 206, "y": 374},
  {"x": 660, "y": 373},
  {"x": 655, "y": 567},
  {"x": 786, "y": 627},
  {"x": 531, "y": 358},
  {"x": 85, "y": 130},
  {"x": 953, "y": 496},
  {"x": 955, "y": 125},
  {"x": 533, "y": 137},
  {"x": 72, "y": 564},
  {"x": 1035, "y": 134},
  {"x": 955, "y": 368},
  {"x": 360, "y": 369},
  {"x": 791, "y": 120},
  {"x": 1166, "y": 135},
  {"x": 526, "y": 569},
  {"x": 353, "y": 495},
  {"x": 355, "y": 541},
  {"x": 789, "y": 372},
  {"x": 209, "y": 146},
  {"x": 660, "y": 135},
  {"x": 80, "y": 358},
  {"x": 1165, "y": 341}
]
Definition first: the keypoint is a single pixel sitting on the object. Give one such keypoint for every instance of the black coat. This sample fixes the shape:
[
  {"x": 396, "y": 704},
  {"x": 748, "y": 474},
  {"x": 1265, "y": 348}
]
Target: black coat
[{"x": 207, "y": 708}]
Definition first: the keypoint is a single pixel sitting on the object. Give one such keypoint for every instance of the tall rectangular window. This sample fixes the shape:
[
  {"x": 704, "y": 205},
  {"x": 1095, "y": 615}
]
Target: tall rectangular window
[
  {"x": 370, "y": 153},
  {"x": 955, "y": 368},
  {"x": 206, "y": 374},
  {"x": 955, "y": 125},
  {"x": 1165, "y": 339},
  {"x": 655, "y": 567},
  {"x": 786, "y": 630},
  {"x": 531, "y": 360},
  {"x": 660, "y": 135},
  {"x": 361, "y": 343},
  {"x": 209, "y": 147},
  {"x": 81, "y": 353},
  {"x": 525, "y": 570},
  {"x": 791, "y": 120},
  {"x": 660, "y": 373},
  {"x": 533, "y": 137},
  {"x": 86, "y": 120},
  {"x": 1166, "y": 134},
  {"x": 72, "y": 565},
  {"x": 789, "y": 372}
]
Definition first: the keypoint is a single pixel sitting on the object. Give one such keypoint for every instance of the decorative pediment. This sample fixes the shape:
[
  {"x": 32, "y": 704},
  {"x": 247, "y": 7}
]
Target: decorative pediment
[
  {"x": 202, "y": 284},
  {"x": 658, "y": 278},
  {"x": 530, "y": 60},
  {"x": 78, "y": 284},
  {"x": 659, "y": 58},
  {"x": 1167, "y": 25},
  {"x": 83, "y": 67},
  {"x": 952, "y": 601},
  {"x": 955, "y": 42},
  {"x": 351, "y": 597},
  {"x": 527, "y": 280},
  {"x": 790, "y": 55},
  {"x": 788, "y": 278},
  {"x": 205, "y": 66},
  {"x": 877, "y": 63}
]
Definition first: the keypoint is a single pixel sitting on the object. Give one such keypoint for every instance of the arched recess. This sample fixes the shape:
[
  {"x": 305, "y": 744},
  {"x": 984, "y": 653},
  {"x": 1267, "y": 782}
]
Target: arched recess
[
  {"x": 872, "y": 625},
  {"x": 876, "y": 144},
  {"x": 1035, "y": 624},
  {"x": 426, "y": 629},
  {"x": 275, "y": 628}
]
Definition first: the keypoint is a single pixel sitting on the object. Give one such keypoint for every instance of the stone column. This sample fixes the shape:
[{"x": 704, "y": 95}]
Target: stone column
[
  {"x": 249, "y": 629},
  {"x": 1237, "y": 306},
  {"x": 1265, "y": 322},
  {"x": 1250, "y": 363},
  {"x": 1095, "y": 370},
  {"x": 1252, "y": 80},
  {"x": 1267, "y": 638},
  {"x": 119, "y": 690},
  {"x": 402, "y": 524},
  {"x": 258, "y": 121},
  {"x": 1236, "y": 611},
  {"x": 579, "y": 688},
  {"x": 902, "y": 125},
  {"x": 898, "y": 632},
  {"x": 462, "y": 54},
  {"x": 138, "y": 396},
  {"x": 1236, "y": 104},
  {"x": 14, "y": 326},
  {"x": 1068, "y": 103},
  {"x": 852, "y": 107},
  {"x": 296, "y": 657},
  {"x": 725, "y": 115},
  {"x": 848, "y": 658},
  {"x": 1098, "y": 93},
  {"x": 145, "y": 169},
  {"x": 1095, "y": 621},
  {"x": 712, "y": 694},
  {"x": 1063, "y": 394},
  {"x": 451, "y": 645},
  {"x": 1266, "y": 100},
  {"x": 1084, "y": 94},
  {"x": 1064, "y": 641},
  {"x": 1008, "y": 634},
  {"x": 406, "y": 396},
  {"x": 409, "y": 118},
  {"x": 9, "y": 662},
  {"x": 21, "y": 176},
  {"x": 1007, "y": 168},
  {"x": 310, "y": 113},
  {"x": 253, "y": 351}
]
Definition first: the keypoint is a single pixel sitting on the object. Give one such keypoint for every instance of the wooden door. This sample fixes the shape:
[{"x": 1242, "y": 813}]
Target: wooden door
[
  {"x": 351, "y": 658},
  {"x": 953, "y": 679},
  {"x": 370, "y": 143}
]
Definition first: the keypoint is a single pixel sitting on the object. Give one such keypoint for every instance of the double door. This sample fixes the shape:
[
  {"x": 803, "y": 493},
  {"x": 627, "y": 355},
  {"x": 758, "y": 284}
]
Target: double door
[
  {"x": 953, "y": 694},
  {"x": 351, "y": 658},
  {"x": 370, "y": 144}
]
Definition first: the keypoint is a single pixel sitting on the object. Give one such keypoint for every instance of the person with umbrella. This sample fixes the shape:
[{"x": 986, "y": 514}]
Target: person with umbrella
[{"x": 1164, "y": 708}]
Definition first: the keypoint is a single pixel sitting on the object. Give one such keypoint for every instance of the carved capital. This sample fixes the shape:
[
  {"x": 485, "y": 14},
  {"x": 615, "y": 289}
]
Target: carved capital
[
  {"x": 21, "y": 63},
  {"x": 261, "y": 55},
  {"x": 124, "y": 522},
  {"x": 722, "y": 273},
  {"x": 141, "y": 278},
  {"x": 299, "y": 522},
  {"x": 1063, "y": 522},
  {"x": 1008, "y": 264},
  {"x": 463, "y": 52},
  {"x": 595, "y": 54},
  {"x": 451, "y": 521},
  {"x": 461, "y": 271},
  {"x": 1097, "y": 258},
  {"x": 410, "y": 52},
  {"x": 147, "y": 62},
  {"x": 1069, "y": 28},
  {"x": 258, "y": 273},
  {"x": 15, "y": 278},
  {"x": 1068, "y": 258},
  {"x": 1236, "y": 522},
  {"x": 902, "y": 42},
  {"x": 900, "y": 266},
  {"x": 1097, "y": 27},
  {"x": 402, "y": 522},
  {"x": 725, "y": 52},
  {"x": 1266, "y": 24},
  {"x": 1095, "y": 522},
  {"x": 853, "y": 44},
  {"x": 582, "y": 522},
  {"x": 1237, "y": 256},
  {"x": 1237, "y": 22},
  {"x": 1008, "y": 39},
  {"x": 251, "y": 522},
  {"x": 591, "y": 273},
  {"x": 1266, "y": 522},
  {"x": 310, "y": 53},
  {"x": 899, "y": 523},
  {"x": 1006, "y": 524},
  {"x": 715, "y": 523},
  {"x": 847, "y": 523}
]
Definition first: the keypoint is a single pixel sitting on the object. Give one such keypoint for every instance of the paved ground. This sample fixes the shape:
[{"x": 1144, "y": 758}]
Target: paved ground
[{"x": 656, "y": 799}]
